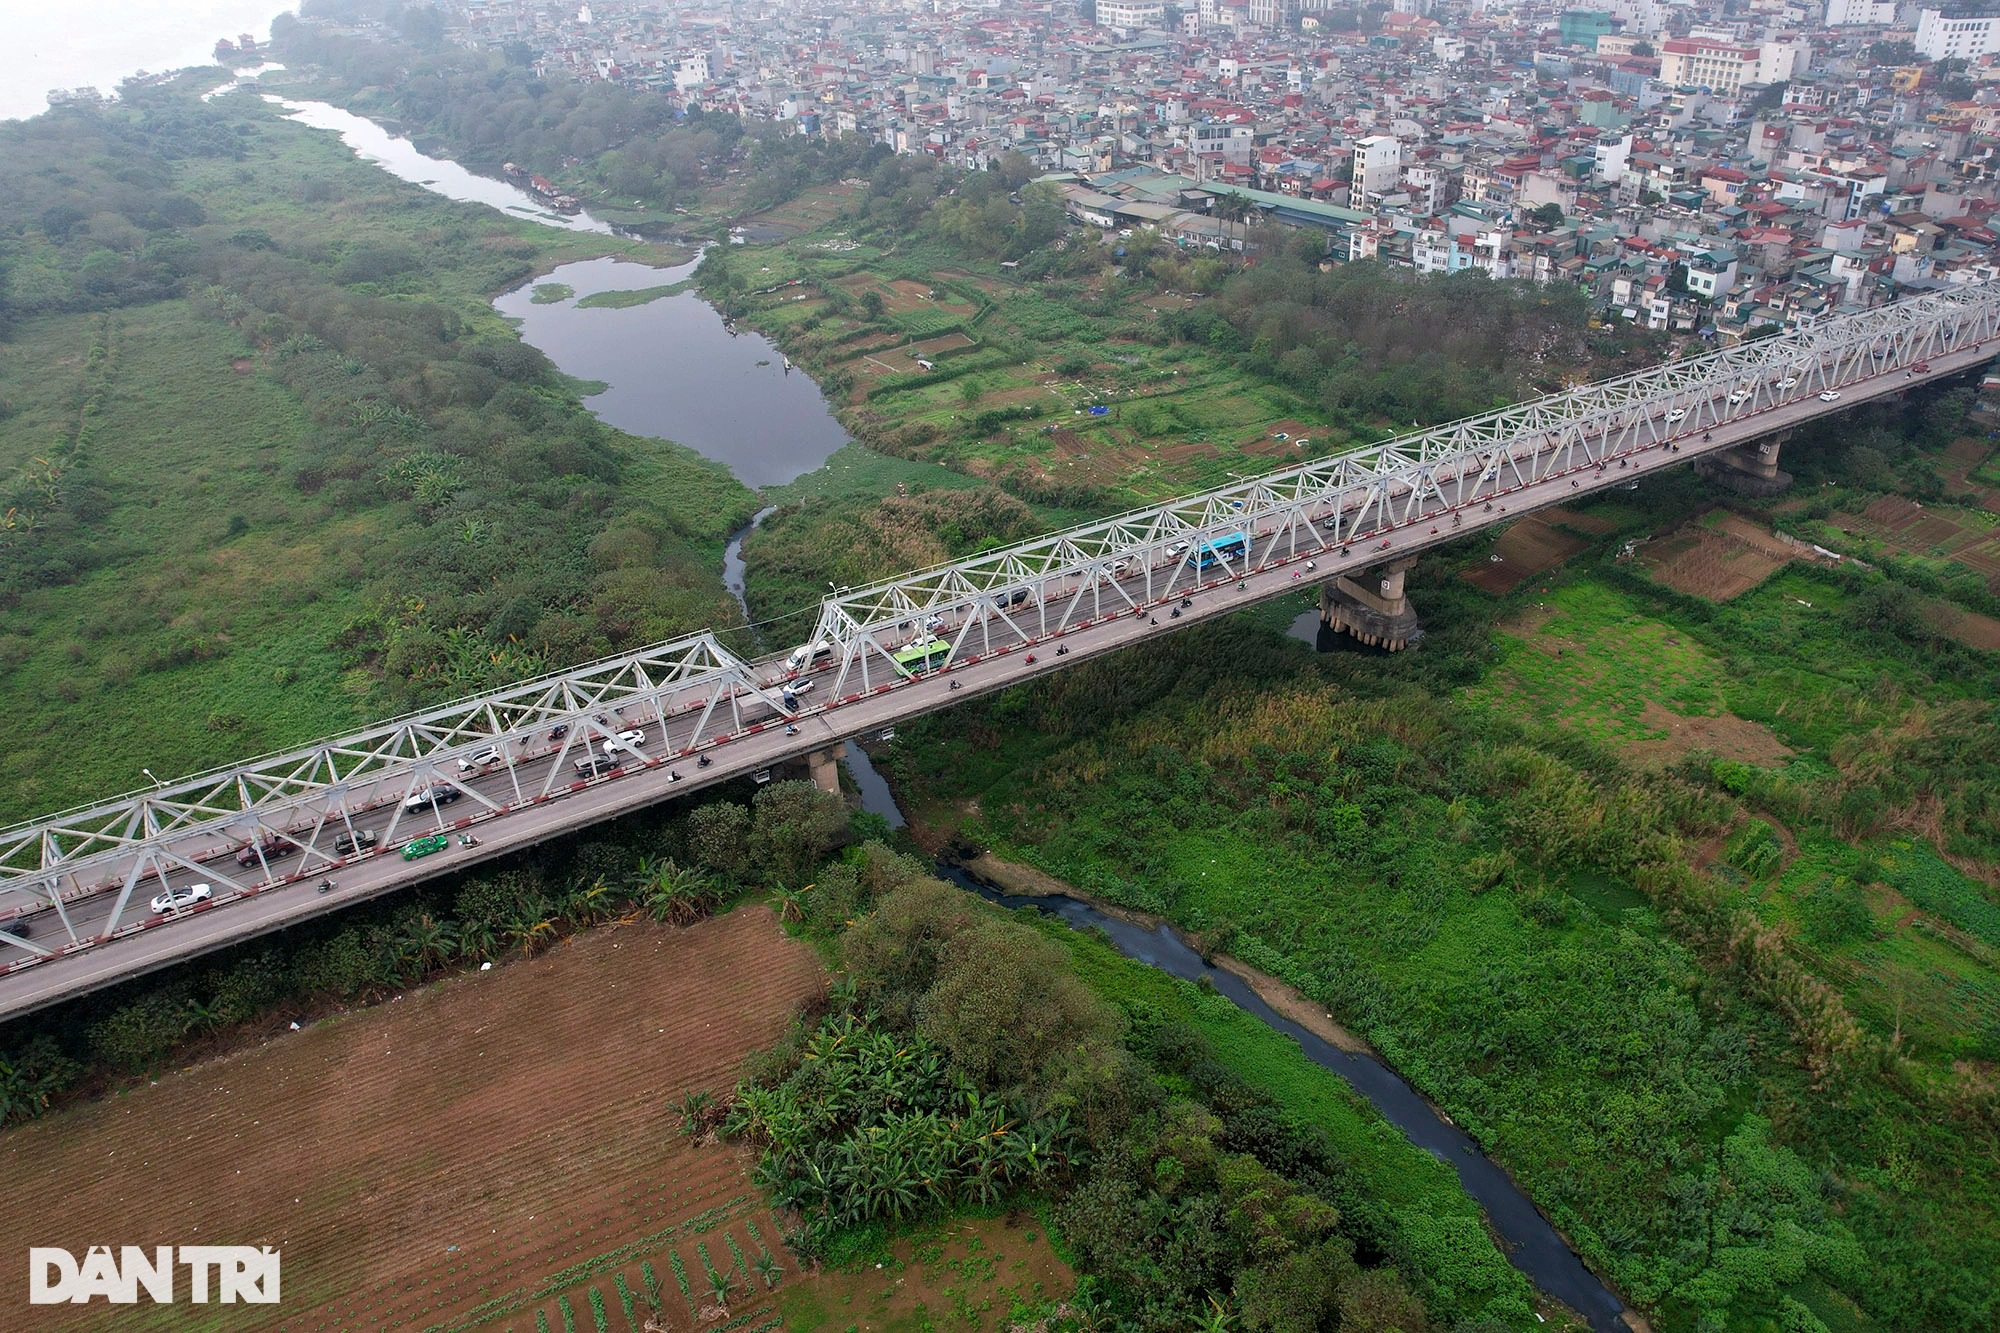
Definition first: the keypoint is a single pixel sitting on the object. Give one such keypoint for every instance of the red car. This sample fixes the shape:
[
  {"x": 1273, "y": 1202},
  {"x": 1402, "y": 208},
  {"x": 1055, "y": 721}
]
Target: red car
[{"x": 274, "y": 847}]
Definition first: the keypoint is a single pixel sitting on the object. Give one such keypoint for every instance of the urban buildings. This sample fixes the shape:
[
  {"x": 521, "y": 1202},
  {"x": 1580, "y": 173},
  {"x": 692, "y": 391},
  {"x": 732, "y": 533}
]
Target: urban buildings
[{"x": 1709, "y": 168}]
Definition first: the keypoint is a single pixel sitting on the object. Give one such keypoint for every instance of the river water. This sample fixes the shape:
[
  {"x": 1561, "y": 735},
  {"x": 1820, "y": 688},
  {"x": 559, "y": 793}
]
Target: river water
[
  {"x": 677, "y": 372},
  {"x": 675, "y": 369},
  {"x": 399, "y": 157},
  {"x": 1529, "y": 1241}
]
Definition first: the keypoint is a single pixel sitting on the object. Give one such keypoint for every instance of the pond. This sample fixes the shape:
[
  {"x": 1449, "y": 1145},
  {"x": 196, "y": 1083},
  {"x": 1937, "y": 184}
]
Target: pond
[{"x": 677, "y": 371}]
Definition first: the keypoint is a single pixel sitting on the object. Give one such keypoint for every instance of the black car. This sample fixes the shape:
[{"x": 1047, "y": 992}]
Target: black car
[
  {"x": 273, "y": 848},
  {"x": 442, "y": 794}
]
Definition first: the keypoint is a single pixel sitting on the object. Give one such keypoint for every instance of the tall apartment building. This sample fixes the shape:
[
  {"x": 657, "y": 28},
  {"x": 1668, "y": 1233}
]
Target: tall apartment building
[
  {"x": 1378, "y": 164},
  {"x": 1964, "y": 33},
  {"x": 1703, "y": 62},
  {"x": 1131, "y": 15}
]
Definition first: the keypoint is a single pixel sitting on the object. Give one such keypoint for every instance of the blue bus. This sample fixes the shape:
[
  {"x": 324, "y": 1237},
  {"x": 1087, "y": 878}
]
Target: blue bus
[{"x": 1233, "y": 549}]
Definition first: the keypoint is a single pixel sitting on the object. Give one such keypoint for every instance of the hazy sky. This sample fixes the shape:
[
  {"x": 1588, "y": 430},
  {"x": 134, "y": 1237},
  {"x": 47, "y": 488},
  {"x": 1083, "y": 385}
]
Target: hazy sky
[{"x": 67, "y": 43}]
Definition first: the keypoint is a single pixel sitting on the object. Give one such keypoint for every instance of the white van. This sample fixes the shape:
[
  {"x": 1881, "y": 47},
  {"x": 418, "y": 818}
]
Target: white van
[{"x": 813, "y": 653}]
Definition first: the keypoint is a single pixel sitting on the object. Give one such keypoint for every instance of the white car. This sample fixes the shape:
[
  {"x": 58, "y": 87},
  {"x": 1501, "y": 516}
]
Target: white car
[
  {"x": 1829, "y": 396},
  {"x": 1179, "y": 549},
  {"x": 1740, "y": 396},
  {"x": 174, "y": 899},
  {"x": 1677, "y": 414},
  {"x": 486, "y": 758},
  {"x": 798, "y": 687},
  {"x": 1788, "y": 382},
  {"x": 633, "y": 737}
]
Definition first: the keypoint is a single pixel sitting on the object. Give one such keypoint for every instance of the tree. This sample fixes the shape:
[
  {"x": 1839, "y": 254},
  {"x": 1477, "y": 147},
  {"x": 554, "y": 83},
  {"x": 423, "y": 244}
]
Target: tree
[
  {"x": 678, "y": 895},
  {"x": 719, "y": 838},
  {"x": 1546, "y": 216},
  {"x": 1891, "y": 53},
  {"x": 793, "y": 827},
  {"x": 1378, "y": 1301}
]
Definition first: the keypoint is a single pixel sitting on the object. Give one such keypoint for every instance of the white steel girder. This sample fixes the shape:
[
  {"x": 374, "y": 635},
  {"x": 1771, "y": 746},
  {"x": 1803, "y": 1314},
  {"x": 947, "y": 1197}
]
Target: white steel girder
[
  {"x": 1025, "y": 592},
  {"x": 1358, "y": 494},
  {"x": 292, "y": 798}
]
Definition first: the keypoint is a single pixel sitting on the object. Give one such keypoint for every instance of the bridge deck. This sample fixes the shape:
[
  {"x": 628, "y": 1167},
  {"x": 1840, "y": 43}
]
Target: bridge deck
[{"x": 736, "y": 715}]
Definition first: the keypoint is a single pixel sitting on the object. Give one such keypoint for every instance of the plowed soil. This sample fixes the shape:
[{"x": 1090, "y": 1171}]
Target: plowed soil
[
  {"x": 449, "y": 1157},
  {"x": 1717, "y": 562},
  {"x": 1527, "y": 548}
]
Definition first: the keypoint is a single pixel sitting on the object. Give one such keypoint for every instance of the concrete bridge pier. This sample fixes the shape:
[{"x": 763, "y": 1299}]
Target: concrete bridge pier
[
  {"x": 1372, "y": 607},
  {"x": 1750, "y": 468},
  {"x": 823, "y": 766}
]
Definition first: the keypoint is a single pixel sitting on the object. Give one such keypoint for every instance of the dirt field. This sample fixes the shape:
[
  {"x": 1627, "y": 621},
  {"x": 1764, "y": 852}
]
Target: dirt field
[
  {"x": 814, "y": 208},
  {"x": 1968, "y": 627},
  {"x": 1718, "y": 560},
  {"x": 463, "y": 1154},
  {"x": 1527, "y": 548},
  {"x": 1728, "y": 736},
  {"x": 1909, "y": 528}
]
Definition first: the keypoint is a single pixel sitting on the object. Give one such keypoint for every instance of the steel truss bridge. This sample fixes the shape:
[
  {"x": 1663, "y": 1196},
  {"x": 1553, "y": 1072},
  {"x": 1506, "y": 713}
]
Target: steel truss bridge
[{"x": 78, "y": 890}]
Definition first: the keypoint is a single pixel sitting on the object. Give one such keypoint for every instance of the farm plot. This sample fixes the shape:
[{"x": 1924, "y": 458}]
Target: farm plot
[
  {"x": 1532, "y": 546},
  {"x": 459, "y": 1156},
  {"x": 1720, "y": 557},
  {"x": 1908, "y": 528},
  {"x": 809, "y": 211}
]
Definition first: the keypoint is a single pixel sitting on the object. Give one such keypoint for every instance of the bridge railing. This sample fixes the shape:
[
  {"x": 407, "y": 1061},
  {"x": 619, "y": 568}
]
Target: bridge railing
[
  {"x": 1024, "y": 592},
  {"x": 1071, "y": 577},
  {"x": 303, "y": 799}
]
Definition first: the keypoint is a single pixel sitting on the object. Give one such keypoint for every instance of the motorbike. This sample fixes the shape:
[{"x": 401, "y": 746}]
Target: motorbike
[{"x": 326, "y": 886}]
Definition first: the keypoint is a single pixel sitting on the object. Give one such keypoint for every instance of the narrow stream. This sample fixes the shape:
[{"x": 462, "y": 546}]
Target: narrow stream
[
  {"x": 734, "y": 573},
  {"x": 1530, "y": 1242}
]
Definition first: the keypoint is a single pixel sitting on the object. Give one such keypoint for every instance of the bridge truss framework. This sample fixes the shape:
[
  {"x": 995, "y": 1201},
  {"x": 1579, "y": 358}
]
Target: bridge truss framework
[{"x": 992, "y": 603}]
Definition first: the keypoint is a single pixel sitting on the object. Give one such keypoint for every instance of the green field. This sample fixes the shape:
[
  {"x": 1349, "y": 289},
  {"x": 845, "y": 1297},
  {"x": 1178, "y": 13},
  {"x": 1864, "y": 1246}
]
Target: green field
[
  {"x": 1604, "y": 968},
  {"x": 287, "y": 471}
]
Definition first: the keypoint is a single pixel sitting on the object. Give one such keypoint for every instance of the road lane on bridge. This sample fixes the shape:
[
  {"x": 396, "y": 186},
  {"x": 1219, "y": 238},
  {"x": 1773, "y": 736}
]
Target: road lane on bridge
[{"x": 245, "y": 908}]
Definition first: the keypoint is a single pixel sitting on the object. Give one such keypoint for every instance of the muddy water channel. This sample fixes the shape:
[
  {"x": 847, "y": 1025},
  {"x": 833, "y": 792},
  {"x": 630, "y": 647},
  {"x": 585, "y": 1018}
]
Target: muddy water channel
[{"x": 1529, "y": 1241}]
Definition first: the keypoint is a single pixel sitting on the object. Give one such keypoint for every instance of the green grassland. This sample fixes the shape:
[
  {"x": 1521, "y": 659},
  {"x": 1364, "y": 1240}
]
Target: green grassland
[
  {"x": 220, "y": 595},
  {"x": 624, "y": 300},
  {"x": 315, "y": 478},
  {"x": 1603, "y": 968}
]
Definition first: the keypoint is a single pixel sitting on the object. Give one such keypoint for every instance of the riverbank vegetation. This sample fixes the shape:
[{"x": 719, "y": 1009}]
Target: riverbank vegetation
[
  {"x": 631, "y": 156},
  {"x": 1731, "y": 1016},
  {"x": 272, "y": 465},
  {"x": 972, "y": 1059},
  {"x": 966, "y": 1060}
]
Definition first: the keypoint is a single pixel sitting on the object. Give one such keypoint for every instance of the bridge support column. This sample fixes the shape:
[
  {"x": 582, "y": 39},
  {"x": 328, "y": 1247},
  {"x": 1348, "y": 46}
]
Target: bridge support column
[
  {"x": 823, "y": 766},
  {"x": 1748, "y": 469},
  {"x": 1372, "y": 607}
]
